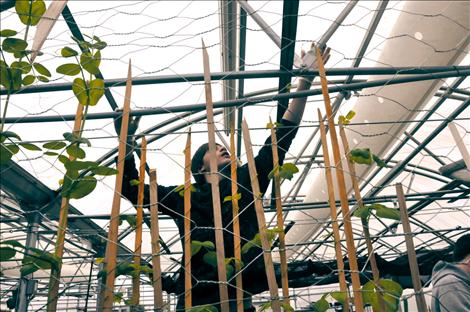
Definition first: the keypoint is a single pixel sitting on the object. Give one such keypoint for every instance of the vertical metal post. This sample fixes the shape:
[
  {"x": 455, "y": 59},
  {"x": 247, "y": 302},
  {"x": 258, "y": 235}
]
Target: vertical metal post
[{"x": 26, "y": 287}]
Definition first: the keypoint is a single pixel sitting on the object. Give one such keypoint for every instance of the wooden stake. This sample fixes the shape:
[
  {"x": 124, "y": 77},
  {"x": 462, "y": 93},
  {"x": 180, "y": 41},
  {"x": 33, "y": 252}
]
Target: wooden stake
[
  {"x": 139, "y": 221},
  {"x": 236, "y": 222},
  {"x": 365, "y": 224},
  {"x": 214, "y": 181},
  {"x": 334, "y": 216},
  {"x": 460, "y": 144},
  {"x": 280, "y": 220},
  {"x": 356, "y": 283},
  {"x": 111, "y": 246},
  {"x": 45, "y": 25},
  {"x": 187, "y": 223},
  {"x": 268, "y": 261},
  {"x": 410, "y": 248},
  {"x": 155, "y": 239},
  {"x": 54, "y": 281}
]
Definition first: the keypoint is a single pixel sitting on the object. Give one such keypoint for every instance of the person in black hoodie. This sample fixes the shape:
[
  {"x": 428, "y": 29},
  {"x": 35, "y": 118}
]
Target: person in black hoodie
[
  {"x": 205, "y": 289},
  {"x": 451, "y": 281}
]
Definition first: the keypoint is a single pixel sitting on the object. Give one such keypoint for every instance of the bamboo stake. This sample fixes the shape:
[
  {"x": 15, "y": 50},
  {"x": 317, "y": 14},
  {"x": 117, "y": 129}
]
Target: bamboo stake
[
  {"x": 214, "y": 181},
  {"x": 187, "y": 223},
  {"x": 268, "y": 261},
  {"x": 155, "y": 238},
  {"x": 280, "y": 220},
  {"x": 420, "y": 301},
  {"x": 111, "y": 246},
  {"x": 356, "y": 283},
  {"x": 460, "y": 144},
  {"x": 334, "y": 216},
  {"x": 54, "y": 281},
  {"x": 139, "y": 221},
  {"x": 45, "y": 25},
  {"x": 365, "y": 224},
  {"x": 236, "y": 222}
]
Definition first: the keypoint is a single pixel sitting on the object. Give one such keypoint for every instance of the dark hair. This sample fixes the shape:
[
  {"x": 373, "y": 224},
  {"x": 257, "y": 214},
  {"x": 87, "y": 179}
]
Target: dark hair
[
  {"x": 462, "y": 248},
  {"x": 197, "y": 163}
]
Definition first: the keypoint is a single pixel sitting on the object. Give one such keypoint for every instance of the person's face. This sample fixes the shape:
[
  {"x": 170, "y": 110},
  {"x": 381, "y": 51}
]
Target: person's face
[{"x": 222, "y": 156}]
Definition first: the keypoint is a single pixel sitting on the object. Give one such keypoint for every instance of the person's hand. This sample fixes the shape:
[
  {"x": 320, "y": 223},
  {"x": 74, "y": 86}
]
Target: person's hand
[
  {"x": 131, "y": 130},
  {"x": 309, "y": 58}
]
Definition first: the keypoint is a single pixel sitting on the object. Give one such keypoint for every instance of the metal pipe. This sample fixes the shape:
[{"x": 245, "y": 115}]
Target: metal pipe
[
  {"x": 248, "y": 101},
  {"x": 137, "y": 81}
]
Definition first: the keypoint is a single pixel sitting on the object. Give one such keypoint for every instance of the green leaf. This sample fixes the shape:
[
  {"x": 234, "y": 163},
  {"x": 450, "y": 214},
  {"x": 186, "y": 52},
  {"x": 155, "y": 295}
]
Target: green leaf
[
  {"x": 13, "y": 243},
  {"x": 79, "y": 88},
  {"x": 118, "y": 297},
  {"x": 6, "y": 152},
  {"x": 392, "y": 292},
  {"x": 287, "y": 307},
  {"x": 7, "y": 33},
  {"x": 288, "y": 170},
  {"x": 38, "y": 259},
  {"x": 321, "y": 305},
  {"x": 7, "y": 253},
  {"x": 134, "y": 182},
  {"x": 8, "y": 134},
  {"x": 350, "y": 115},
  {"x": 132, "y": 220},
  {"x": 362, "y": 212},
  {"x": 210, "y": 258},
  {"x": 80, "y": 165},
  {"x": 28, "y": 269},
  {"x": 388, "y": 213},
  {"x": 96, "y": 91},
  {"x": 55, "y": 145},
  {"x": 38, "y": 7},
  {"x": 69, "y": 136},
  {"x": 82, "y": 187},
  {"x": 75, "y": 151},
  {"x": 5, "y": 75},
  {"x": 42, "y": 78},
  {"x": 41, "y": 69},
  {"x": 68, "y": 69},
  {"x": 197, "y": 245},
  {"x": 24, "y": 67},
  {"x": 27, "y": 80},
  {"x": 180, "y": 189},
  {"x": 63, "y": 159},
  {"x": 100, "y": 45},
  {"x": 203, "y": 308},
  {"x": 12, "y": 45},
  {"x": 48, "y": 153},
  {"x": 379, "y": 161},
  {"x": 342, "y": 120},
  {"x": 91, "y": 62},
  {"x": 265, "y": 306},
  {"x": 361, "y": 156},
  {"x": 68, "y": 52},
  {"x": 238, "y": 196},
  {"x": 339, "y": 296},
  {"x": 104, "y": 171},
  {"x": 30, "y": 146}
]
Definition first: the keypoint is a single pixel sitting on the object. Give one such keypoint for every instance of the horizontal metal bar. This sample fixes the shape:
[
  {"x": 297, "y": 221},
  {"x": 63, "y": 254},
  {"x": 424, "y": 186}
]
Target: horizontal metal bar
[
  {"x": 248, "y": 101},
  {"x": 137, "y": 81}
]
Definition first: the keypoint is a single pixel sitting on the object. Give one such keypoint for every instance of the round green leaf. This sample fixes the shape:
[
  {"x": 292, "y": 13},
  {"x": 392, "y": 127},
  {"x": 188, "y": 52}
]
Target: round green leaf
[
  {"x": 79, "y": 88},
  {"x": 68, "y": 69},
  {"x": 38, "y": 7},
  {"x": 49, "y": 153},
  {"x": 83, "y": 187},
  {"x": 96, "y": 91},
  {"x": 76, "y": 151},
  {"x": 54, "y": 145},
  {"x": 42, "y": 69},
  {"x": 388, "y": 213},
  {"x": 24, "y": 67},
  {"x": 7, "y": 33},
  {"x": 104, "y": 171},
  {"x": 5, "y": 75},
  {"x": 91, "y": 62},
  {"x": 12, "y": 45},
  {"x": 42, "y": 78},
  {"x": 210, "y": 258},
  {"x": 80, "y": 165},
  {"x": 7, "y": 253},
  {"x": 68, "y": 52},
  {"x": 63, "y": 159},
  {"x": 30, "y": 146},
  {"x": 29, "y": 79}
]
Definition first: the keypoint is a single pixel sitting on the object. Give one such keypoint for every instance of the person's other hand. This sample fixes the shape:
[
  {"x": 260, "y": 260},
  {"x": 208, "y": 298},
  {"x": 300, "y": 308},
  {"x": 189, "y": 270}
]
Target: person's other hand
[{"x": 131, "y": 130}]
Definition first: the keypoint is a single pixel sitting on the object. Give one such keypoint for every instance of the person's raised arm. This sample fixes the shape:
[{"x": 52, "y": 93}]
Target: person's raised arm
[{"x": 296, "y": 108}]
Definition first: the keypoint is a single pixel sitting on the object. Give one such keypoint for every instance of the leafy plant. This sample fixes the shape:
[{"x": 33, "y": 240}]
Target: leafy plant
[
  {"x": 256, "y": 241},
  {"x": 203, "y": 308},
  {"x": 267, "y": 305},
  {"x": 391, "y": 292},
  {"x": 364, "y": 156},
  {"x": 381, "y": 211},
  {"x": 286, "y": 171},
  {"x": 346, "y": 120},
  {"x": 197, "y": 245},
  {"x": 321, "y": 305},
  {"x": 237, "y": 196}
]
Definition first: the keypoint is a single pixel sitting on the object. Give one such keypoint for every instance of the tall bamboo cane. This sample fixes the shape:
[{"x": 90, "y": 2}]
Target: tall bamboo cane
[{"x": 187, "y": 223}]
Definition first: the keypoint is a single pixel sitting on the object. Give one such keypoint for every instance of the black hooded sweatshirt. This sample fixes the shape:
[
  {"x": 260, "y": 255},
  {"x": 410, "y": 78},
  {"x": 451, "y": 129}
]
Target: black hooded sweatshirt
[{"x": 202, "y": 221}]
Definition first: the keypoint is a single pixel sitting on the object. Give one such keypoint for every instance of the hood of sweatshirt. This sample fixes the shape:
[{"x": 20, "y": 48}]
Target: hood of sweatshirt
[{"x": 442, "y": 269}]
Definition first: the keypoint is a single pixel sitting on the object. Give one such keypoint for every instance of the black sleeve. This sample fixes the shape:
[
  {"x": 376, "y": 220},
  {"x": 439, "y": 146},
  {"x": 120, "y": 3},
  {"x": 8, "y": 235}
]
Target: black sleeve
[
  {"x": 285, "y": 133},
  {"x": 167, "y": 198}
]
